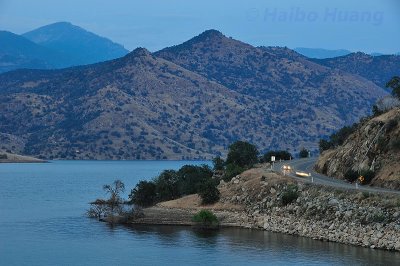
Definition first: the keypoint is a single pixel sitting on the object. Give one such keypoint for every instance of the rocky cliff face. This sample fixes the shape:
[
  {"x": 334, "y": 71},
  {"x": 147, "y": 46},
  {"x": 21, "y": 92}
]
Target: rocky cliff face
[
  {"x": 345, "y": 216},
  {"x": 374, "y": 146}
]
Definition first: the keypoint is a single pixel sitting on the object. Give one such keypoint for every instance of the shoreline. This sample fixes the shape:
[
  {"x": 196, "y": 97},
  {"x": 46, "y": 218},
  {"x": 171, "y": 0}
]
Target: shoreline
[
  {"x": 16, "y": 158},
  {"x": 321, "y": 231},
  {"x": 252, "y": 201}
]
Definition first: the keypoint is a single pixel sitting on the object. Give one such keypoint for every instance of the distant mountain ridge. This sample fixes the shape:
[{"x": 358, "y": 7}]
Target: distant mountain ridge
[
  {"x": 320, "y": 53},
  {"x": 378, "y": 69},
  {"x": 18, "y": 52},
  {"x": 189, "y": 101},
  {"x": 85, "y": 47},
  {"x": 58, "y": 45}
]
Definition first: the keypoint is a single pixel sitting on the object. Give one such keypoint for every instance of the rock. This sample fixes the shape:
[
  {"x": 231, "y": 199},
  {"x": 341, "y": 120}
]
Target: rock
[
  {"x": 333, "y": 202},
  {"x": 348, "y": 214},
  {"x": 272, "y": 190}
]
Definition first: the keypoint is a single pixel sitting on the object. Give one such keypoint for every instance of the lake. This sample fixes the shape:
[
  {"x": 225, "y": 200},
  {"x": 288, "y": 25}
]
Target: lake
[{"x": 42, "y": 222}]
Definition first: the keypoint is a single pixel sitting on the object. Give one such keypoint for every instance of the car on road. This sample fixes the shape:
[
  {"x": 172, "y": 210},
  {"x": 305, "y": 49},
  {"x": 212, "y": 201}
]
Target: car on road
[{"x": 302, "y": 174}]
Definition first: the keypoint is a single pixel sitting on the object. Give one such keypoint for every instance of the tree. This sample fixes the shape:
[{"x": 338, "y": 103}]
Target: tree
[
  {"x": 218, "y": 163},
  {"x": 190, "y": 177},
  {"x": 303, "y": 153},
  {"x": 242, "y": 154},
  {"x": 98, "y": 208},
  {"x": 394, "y": 84},
  {"x": 114, "y": 189},
  {"x": 209, "y": 192},
  {"x": 167, "y": 185},
  {"x": 232, "y": 170},
  {"x": 324, "y": 145},
  {"x": 144, "y": 194}
]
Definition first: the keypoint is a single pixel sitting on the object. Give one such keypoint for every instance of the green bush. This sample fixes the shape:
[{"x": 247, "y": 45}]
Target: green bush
[
  {"x": 171, "y": 184},
  {"x": 378, "y": 218},
  {"x": 231, "y": 171},
  {"x": 351, "y": 175},
  {"x": 190, "y": 177},
  {"x": 219, "y": 164},
  {"x": 209, "y": 192},
  {"x": 167, "y": 185},
  {"x": 395, "y": 144},
  {"x": 242, "y": 154},
  {"x": 303, "y": 153},
  {"x": 144, "y": 194},
  {"x": 366, "y": 194},
  {"x": 338, "y": 138},
  {"x": 290, "y": 194},
  {"x": 368, "y": 175},
  {"x": 324, "y": 145},
  {"x": 394, "y": 84},
  {"x": 206, "y": 219},
  {"x": 391, "y": 124}
]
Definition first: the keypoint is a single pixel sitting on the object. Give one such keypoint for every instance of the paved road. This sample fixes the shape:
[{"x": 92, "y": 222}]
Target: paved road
[{"x": 306, "y": 165}]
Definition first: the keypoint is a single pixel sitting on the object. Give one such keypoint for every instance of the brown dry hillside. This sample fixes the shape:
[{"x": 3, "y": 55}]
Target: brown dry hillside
[
  {"x": 378, "y": 69},
  {"x": 375, "y": 145},
  {"x": 136, "y": 107},
  {"x": 186, "y": 102},
  {"x": 303, "y": 98}
]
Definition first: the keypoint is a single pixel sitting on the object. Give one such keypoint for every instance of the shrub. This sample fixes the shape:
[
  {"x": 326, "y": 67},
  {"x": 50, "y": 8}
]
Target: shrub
[
  {"x": 366, "y": 194},
  {"x": 368, "y": 175},
  {"x": 209, "y": 192},
  {"x": 206, "y": 219},
  {"x": 395, "y": 144},
  {"x": 290, "y": 194},
  {"x": 324, "y": 145},
  {"x": 394, "y": 84},
  {"x": 390, "y": 125},
  {"x": 303, "y": 153},
  {"x": 378, "y": 218},
  {"x": 190, "y": 177},
  {"x": 231, "y": 171},
  {"x": 376, "y": 111},
  {"x": 3, "y": 156},
  {"x": 351, "y": 175},
  {"x": 144, "y": 194},
  {"x": 218, "y": 164}
]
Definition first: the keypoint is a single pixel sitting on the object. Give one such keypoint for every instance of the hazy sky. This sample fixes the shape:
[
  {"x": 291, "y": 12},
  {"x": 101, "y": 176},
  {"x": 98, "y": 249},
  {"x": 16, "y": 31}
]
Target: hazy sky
[{"x": 356, "y": 25}]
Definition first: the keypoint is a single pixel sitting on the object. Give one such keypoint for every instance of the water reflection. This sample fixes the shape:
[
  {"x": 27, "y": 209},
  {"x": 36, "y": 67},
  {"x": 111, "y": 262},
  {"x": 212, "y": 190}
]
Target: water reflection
[
  {"x": 42, "y": 223},
  {"x": 256, "y": 244}
]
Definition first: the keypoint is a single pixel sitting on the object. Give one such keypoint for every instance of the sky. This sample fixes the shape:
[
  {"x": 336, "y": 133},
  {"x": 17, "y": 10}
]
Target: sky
[{"x": 355, "y": 25}]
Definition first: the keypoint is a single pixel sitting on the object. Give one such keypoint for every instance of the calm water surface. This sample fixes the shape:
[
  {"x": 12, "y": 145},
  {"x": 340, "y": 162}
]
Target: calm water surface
[{"x": 42, "y": 222}]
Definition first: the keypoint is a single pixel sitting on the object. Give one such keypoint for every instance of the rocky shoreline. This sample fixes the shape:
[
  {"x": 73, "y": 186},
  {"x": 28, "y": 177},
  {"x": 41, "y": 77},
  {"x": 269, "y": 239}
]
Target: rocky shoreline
[
  {"x": 6, "y": 157},
  {"x": 254, "y": 200}
]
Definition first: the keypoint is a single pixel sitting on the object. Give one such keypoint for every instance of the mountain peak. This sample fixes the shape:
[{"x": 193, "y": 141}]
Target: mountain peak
[
  {"x": 61, "y": 23},
  {"x": 140, "y": 52},
  {"x": 82, "y": 46},
  {"x": 211, "y": 33},
  {"x": 207, "y": 36}
]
